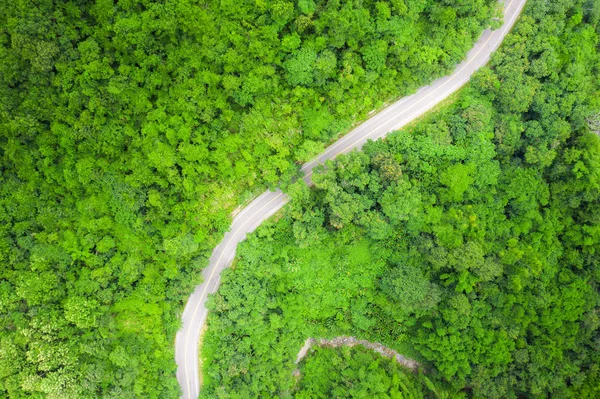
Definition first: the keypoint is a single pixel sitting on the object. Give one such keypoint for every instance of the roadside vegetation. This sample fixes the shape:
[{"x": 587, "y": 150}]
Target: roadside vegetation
[
  {"x": 130, "y": 130},
  {"x": 469, "y": 241}
]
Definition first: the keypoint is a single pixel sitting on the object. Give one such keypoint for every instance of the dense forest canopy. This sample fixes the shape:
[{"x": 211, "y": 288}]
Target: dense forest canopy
[
  {"x": 469, "y": 241},
  {"x": 130, "y": 129},
  {"x": 358, "y": 373}
]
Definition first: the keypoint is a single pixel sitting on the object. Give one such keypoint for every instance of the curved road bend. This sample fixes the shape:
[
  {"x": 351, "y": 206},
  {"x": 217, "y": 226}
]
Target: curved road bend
[{"x": 391, "y": 118}]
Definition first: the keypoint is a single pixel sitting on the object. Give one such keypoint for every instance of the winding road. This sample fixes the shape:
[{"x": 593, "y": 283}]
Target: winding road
[{"x": 391, "y": 118}]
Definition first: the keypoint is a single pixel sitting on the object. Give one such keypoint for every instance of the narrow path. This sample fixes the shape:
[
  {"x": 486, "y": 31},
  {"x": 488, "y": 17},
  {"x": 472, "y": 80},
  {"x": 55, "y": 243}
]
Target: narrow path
[
  {"x": 338, "y": 342},
  {"x": 391, "y": 118}
]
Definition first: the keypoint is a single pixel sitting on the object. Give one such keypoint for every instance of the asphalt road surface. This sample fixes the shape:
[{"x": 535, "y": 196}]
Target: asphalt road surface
[{"x": 391, "y": 118}]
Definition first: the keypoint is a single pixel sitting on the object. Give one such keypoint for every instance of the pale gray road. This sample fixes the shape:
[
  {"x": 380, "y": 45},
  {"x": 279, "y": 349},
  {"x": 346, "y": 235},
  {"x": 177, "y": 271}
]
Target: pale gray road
[{"x": 391, "y": 118}]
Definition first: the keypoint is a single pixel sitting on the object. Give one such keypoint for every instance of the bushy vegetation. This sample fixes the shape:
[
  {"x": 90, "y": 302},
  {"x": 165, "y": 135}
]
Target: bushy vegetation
[
  {"x": 129, "y": 130},
  {"x": 358, "y": 373},
  {"x": 470, "y": 240}
]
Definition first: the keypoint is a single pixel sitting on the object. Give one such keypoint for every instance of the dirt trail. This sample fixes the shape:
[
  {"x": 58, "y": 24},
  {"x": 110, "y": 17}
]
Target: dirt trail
[{"x": 352, "y": 341}]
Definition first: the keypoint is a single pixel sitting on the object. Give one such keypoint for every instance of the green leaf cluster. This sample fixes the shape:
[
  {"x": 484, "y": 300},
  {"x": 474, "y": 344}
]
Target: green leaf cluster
[{"x": 356, "y": 373}]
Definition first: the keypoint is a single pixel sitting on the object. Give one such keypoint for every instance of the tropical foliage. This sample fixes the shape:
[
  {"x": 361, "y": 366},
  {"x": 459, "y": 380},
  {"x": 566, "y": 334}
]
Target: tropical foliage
[
  {"x": 129, "y": 130},
  {"x": 469, "y": 240},
  {"x": 358, "y": 373}
]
